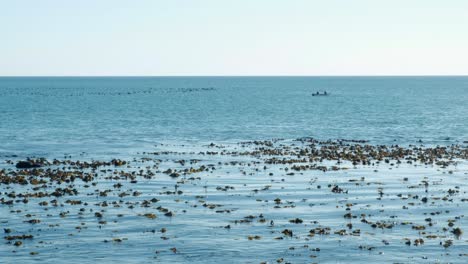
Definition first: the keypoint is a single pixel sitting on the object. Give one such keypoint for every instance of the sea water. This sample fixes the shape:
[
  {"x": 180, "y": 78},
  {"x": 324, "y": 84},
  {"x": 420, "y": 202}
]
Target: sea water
[
  {"x": 101, "y": 118},
  {"x": 52, "y": 116}
]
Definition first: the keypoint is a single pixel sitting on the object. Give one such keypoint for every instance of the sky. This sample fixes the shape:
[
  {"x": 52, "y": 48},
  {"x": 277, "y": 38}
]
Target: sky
[{"x": 233, "y": 37}]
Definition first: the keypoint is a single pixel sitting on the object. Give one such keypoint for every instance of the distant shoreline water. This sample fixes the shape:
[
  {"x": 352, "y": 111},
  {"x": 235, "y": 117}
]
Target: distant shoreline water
[
  {"x": 232, "y": 76},
  {"x": 51, "y": 115}
]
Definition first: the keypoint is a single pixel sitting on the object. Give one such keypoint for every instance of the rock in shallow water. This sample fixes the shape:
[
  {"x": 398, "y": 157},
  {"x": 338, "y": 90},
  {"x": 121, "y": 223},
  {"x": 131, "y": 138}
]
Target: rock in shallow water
[{"x": 27, "y": 165}]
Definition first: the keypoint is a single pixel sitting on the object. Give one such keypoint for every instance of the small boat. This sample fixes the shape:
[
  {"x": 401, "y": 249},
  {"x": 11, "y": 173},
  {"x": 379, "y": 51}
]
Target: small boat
[{"x": 320, "y": 94}]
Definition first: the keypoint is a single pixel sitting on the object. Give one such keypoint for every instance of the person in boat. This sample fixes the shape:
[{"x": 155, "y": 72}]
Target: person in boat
[{"x": 325, "y": 92}]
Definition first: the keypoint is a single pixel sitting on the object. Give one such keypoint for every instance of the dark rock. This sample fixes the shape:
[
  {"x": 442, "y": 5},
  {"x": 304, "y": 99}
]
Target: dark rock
[{"x": 27, "y": 165}]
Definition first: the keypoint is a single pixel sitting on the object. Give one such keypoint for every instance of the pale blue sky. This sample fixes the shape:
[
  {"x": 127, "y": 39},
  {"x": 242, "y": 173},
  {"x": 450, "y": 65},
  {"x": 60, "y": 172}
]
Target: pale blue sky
[{"x": 236, "y": 37}]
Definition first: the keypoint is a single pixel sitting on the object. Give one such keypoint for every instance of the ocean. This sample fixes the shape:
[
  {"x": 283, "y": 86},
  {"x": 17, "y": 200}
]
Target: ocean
[
  {"x": 234, "y": 169},
  {"x": 52, "y": 116}
]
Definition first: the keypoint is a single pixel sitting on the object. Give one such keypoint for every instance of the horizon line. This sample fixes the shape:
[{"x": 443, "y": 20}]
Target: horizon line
[{"x": 226, "y": 76}]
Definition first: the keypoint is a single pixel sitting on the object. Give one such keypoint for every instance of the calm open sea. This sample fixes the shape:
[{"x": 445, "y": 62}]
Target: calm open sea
[
  {"x": 227, "y": 206},
  {"x": 109, "y": 116}
]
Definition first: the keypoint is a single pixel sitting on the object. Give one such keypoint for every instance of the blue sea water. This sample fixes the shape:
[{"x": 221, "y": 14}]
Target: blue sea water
[
  {"x": 52, "y": 116},
  {"x": 102, "y": 118}
]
